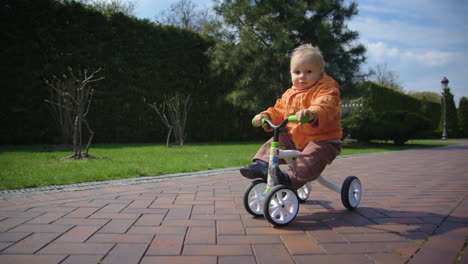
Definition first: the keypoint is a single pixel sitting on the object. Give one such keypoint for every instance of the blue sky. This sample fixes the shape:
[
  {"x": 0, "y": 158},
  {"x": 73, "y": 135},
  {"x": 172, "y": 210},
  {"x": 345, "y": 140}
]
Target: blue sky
[{"x": 420, "y": 40}]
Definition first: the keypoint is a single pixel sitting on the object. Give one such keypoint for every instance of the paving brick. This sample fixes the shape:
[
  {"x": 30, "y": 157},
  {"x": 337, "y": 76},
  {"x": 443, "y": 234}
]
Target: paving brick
[
  {"x": 188, "y": 223},
  {"x": 166, "y": 245},
  {"x": 180, "y": 259},
  {"x": 217, "y": 250},
  {"x": 114, "y": 216},
  {"x": 10, "y": 223},
  {"x": 53, "y": 209},
  {"x": 46, "y": 218},
  {"x": 325, "y": 236},
  {"x": 439, "y": 249},
  {"x": 150, "y": 219},
  {"x": 82, "y": 212},
  {"x": 4, "y": 245},
  {"x": 375, "y": 237},
  {"x": 12, "y": 236},
  {"x": 387, "y": 258},
  {"x": 113, "y": 208},
  {"x": 201, "y": 235},
  {"x": 31, "y": 244},
  {"x": 185, "y": 197},
  {"x": 203, "y": 209},
  {"x": 117, "y": 226},
  {"x": 125, "y": 254},
  {"x": 163, "y": 230},
  {"x": 301, "y": 244},
  {"x": 236, "y": 260},
  {"x": 331, "y": 259},
  {"x": 83, "y": 259},
  {"x": 120, "y": 238},
  {"x": 144, "y": 210},
  {"x": 271, "y": 254},
  {"x": 228, "y": 227},
  {"x": 76, "y": 248},
  {"x": 178, "y": 214},
  {"x": 36, "y": 259},
  {"x": 140, "y": 204},
  {"x": 215, "y": 217},
  {"x": 248, "y": 239},
  {"x": 369, "y": 247},
  {"x": 15, "y": 214},
  {"x": 51, "y": 228},
  {"x": 272, "y": 231},
  {"x": 81, "y": 221}
]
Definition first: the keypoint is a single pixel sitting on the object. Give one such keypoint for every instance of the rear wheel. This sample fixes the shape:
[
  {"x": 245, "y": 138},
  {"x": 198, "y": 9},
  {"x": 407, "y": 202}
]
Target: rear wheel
[
  {"x": 304, "y": 192},
  {"x": 253, "y": 197},
  {"x": 351, "y": 192}
]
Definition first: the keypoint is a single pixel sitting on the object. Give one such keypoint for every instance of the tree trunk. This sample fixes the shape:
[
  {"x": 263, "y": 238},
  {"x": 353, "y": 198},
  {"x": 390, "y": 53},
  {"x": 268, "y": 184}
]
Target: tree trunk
[
  {"x": 91, "y": 135},
  {"x": 168, "y": 137},
  {"x": 75, "y": 136}
]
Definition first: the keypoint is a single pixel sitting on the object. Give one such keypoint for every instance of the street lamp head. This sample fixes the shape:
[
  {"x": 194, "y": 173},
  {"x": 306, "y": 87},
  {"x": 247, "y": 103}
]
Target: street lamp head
[{"x": 444, "y": 83}]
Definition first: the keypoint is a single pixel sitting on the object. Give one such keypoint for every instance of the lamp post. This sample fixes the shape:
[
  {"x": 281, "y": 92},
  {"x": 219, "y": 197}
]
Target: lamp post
[{"x": 444, "y": 83}]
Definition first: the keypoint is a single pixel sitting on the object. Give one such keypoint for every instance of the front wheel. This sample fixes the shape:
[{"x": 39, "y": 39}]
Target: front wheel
[
  {"x": 281, "y": 205},
  {"x": 253, "y": 197},
  {"x": 351, "y": 192}
]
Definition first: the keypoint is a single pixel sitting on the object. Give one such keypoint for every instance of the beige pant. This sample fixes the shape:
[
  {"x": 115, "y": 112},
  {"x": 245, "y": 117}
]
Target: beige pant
[{"x": 310, "y": 164}]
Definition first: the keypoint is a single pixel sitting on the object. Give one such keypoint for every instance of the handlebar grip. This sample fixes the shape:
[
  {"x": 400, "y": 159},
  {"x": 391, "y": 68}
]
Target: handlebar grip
[
  {"x": 263, "y": 122},
  {"x": 304, "y": 119}
]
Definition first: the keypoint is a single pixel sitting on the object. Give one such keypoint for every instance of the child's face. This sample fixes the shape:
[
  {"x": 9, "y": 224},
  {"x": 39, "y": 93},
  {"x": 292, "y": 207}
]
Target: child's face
[{"x": 304, "y": 73}]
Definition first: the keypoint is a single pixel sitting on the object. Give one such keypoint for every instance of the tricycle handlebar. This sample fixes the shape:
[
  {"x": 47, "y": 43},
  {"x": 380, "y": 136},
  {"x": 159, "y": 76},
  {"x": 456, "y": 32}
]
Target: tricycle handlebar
[{"x": 292, "y": 118}]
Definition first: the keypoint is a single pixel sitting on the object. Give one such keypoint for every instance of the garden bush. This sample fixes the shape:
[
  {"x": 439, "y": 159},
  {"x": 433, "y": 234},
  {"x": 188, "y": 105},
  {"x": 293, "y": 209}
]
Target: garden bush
[{"x": 399, "y": 126}]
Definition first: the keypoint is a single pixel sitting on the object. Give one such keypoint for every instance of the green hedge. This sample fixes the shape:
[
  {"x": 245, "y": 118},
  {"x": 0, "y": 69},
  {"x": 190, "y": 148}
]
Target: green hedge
[
  {"x": 388, "y": 114},
  {"x": 41, "y": 38},
  {"x": 379, "y": 98},
  {"x": 399, "y": 126}
]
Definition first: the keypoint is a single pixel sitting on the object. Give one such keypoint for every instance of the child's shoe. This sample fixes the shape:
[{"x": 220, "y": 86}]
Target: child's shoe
[{"x": 258, "y": 169}]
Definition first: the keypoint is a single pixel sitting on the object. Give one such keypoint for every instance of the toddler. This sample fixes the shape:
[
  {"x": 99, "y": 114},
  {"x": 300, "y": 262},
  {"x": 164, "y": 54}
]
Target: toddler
[{"x": 313, "y": 94}]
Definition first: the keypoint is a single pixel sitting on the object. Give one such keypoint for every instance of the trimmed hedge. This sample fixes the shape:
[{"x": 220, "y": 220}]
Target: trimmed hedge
[
  {"x": 399, "y": 126},
  {"x": 379, "y": 98},
  {"x": 390, "y": 115},
  {"x": 41, "y": 38}
]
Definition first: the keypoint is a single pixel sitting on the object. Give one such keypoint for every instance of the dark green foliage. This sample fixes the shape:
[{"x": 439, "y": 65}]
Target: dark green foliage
[
  {"x": 256, "y": 49},
  {"x": 379, "y": 98},
  {"x": 390, "y": 115},
  {"x": 463, "y": 116},
  {"x": 399, "y": 126},
  {"x": 41, "y": 38}
]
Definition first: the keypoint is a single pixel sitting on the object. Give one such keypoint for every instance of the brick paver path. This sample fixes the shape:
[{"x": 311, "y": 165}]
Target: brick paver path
[{"x": 414, "y": 210}]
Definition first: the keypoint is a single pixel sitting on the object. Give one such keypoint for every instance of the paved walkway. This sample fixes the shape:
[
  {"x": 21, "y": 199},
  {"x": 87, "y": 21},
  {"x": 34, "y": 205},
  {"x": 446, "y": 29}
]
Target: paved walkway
[{"x": 414, "y": 210}]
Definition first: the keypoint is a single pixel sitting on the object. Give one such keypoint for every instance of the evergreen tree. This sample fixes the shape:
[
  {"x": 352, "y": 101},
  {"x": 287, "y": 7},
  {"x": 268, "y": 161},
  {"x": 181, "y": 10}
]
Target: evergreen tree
[
  {"x": 463, "y": 116},
  {"x": 451, "y": 115},
  {"x": 258, "y": 37}
]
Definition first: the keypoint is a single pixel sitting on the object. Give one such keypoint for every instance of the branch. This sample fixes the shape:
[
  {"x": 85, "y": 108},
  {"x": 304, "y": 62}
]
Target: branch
[
  {"x": 57, "y": 104},
  {"x": 253, "y": 31}
]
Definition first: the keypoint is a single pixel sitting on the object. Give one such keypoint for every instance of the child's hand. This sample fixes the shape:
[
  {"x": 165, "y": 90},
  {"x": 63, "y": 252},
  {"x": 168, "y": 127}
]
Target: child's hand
[
  {"x": 257, "y": 120},
  {"x": 304, "y": 112}
]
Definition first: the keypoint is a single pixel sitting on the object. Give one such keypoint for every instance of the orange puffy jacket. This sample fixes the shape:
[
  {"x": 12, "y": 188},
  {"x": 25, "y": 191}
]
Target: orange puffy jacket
[{"x": 324, "y": 99}]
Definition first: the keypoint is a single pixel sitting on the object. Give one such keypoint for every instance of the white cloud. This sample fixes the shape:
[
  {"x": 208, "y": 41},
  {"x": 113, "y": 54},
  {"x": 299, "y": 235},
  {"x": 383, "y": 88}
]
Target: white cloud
[
  {"x": 379, "y": 52},
  {"x": 408, "y": 34}
]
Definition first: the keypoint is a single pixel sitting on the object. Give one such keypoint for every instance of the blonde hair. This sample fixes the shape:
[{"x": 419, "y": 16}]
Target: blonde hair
[{"x": 314, "y": 52}]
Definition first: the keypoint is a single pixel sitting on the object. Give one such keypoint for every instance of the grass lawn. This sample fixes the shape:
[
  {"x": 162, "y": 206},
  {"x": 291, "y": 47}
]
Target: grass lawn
[{"x": 32, "y": 166}]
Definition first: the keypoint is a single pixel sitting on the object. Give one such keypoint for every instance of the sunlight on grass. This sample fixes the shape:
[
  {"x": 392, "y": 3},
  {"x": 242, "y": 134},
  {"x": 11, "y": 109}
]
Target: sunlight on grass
[{"x": 32, "y": 166}]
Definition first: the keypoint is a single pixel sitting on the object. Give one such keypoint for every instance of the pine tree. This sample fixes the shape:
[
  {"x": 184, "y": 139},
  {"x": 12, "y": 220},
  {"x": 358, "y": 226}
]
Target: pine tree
[
  {"x": 463, "y": 116},
  {"x": 258, "y": 37}
]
